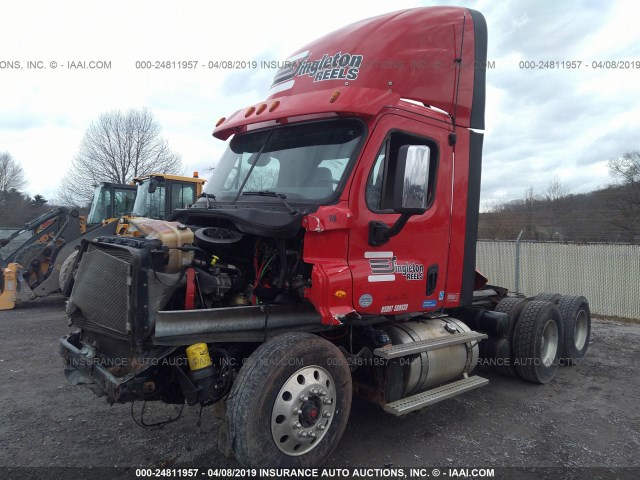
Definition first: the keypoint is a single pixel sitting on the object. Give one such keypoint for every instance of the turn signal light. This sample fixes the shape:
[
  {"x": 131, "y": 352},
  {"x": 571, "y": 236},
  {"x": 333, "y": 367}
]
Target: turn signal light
[{"x": 340, "y": 294}]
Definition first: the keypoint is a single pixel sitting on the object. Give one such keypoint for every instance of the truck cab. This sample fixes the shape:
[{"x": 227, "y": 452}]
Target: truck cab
[
  {"x": 158, "y": 195},
  {"x": 331, "y": 254},
  {"x": 110, "y": 202}
]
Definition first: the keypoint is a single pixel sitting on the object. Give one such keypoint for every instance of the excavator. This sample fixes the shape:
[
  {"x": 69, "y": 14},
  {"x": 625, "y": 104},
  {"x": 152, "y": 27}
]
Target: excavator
[{"x": 38, "y": 259}]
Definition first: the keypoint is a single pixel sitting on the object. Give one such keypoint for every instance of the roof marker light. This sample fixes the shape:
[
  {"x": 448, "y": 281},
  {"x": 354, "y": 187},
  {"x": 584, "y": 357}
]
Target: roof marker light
[
  {"x": 249, "y": 111},
  {"x": 221, "y": 121},
  {"x": 274, "y": 105},
  {"x": 334, "y": 96},
  {"x": 261, "y": 109}
]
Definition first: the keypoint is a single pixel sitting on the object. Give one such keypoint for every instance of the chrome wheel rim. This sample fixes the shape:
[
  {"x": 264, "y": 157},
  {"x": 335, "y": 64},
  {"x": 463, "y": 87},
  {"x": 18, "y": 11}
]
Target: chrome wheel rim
[
  {"x": 303, "y": 410},
  {"x": 580, "y": 330},
  {"x": 549, "y": 343}
]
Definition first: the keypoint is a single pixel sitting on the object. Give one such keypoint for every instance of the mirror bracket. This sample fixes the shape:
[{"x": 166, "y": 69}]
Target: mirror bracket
[{"x": 380, "y": 233}]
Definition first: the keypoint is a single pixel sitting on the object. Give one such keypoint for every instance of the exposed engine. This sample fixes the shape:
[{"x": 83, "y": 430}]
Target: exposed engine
[
  {"x": 231, "y": 268},
  {"x": 168, "y": 268},
  {"x": 223, "y": 292}
]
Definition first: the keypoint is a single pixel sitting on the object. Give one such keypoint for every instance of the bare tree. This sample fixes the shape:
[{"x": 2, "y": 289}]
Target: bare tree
[
  {"x": 117, "y": 148},
  {"x": 626, "y": 169},
  {"x": 626, "y": 203},
  {"x": 530, "y": 198},
  {"x": 555, "y": 190},
  {"x": 11, "y": 173},
  {"x": 554, "y": 193}
]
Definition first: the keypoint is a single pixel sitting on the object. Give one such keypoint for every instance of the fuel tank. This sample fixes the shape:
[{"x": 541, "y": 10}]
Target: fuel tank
[{"x": 428, "y": 369}]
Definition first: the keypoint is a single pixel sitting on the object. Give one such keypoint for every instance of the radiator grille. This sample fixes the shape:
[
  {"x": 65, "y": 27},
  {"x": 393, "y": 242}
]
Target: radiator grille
[{"x": 101, "y": 290}]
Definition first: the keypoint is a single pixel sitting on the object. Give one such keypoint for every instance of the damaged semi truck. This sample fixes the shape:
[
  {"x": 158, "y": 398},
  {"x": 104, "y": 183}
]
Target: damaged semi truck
[{"x": 331, "y": 254}]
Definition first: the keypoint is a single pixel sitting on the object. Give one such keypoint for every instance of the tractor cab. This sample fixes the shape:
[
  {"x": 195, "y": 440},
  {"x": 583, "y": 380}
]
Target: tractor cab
[
  {"x": 158, "y": 195},
  {"x": 111, "y": 201}
]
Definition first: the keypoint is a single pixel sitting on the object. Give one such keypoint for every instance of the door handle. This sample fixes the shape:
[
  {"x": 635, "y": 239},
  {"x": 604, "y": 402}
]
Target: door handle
[{"x": 432, "y": 279}]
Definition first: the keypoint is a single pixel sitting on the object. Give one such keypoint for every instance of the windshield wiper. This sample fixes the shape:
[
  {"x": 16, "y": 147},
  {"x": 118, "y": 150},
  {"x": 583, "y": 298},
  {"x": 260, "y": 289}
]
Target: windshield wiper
[
  {"x": 207, "y": 196},
  {"x": 268, "y": 193}
]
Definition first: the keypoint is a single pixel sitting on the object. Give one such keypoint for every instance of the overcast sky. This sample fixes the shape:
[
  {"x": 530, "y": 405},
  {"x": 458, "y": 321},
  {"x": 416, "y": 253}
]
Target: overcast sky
[{"x": 541, "y": 123}]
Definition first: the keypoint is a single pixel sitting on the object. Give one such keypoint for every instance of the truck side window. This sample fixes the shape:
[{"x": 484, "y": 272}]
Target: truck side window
[{"x": 377, "y": 177}]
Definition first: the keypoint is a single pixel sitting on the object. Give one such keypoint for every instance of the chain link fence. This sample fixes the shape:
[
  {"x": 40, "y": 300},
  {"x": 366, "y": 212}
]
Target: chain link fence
[{"x": 607, "y": 274}]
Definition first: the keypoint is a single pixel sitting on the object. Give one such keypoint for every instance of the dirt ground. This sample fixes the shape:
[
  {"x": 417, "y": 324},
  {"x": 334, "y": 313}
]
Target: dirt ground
[{"x": 588, "y": 416}]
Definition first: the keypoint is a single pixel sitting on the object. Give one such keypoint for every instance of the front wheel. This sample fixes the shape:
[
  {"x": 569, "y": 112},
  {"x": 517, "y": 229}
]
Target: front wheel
[
  {"x": 290, "y": 403},
  {"x": 66, "y": 271}
]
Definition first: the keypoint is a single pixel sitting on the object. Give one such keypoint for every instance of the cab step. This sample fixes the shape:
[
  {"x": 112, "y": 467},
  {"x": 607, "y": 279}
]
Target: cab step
[
  {"x": 435, "y": 395},
  {"x": 404, "y": 349}
]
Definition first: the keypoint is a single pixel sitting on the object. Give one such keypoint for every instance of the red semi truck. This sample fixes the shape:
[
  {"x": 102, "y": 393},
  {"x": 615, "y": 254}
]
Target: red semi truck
[{"x": 331, "y": 254}]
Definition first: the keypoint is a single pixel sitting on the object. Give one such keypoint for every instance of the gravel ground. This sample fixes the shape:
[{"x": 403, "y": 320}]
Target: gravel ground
[{"x": 588, "y": 416}]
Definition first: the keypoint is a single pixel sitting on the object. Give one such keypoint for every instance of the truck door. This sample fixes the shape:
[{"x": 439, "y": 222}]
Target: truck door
[
  {"x": 182, "y": 195},
  {"x": 408, "y": 272}
]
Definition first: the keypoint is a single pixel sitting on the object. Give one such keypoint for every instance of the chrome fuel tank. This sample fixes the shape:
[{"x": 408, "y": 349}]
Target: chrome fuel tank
[{"x": 434, "y": 367}]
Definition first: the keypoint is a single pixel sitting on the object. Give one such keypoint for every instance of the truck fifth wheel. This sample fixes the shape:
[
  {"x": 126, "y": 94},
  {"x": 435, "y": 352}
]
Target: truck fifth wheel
[{"x": 331, "y": 254}]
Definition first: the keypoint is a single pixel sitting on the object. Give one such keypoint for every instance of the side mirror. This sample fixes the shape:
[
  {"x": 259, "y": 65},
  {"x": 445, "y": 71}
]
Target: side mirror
[
  {"x": 411, "y": 182},
  {"x": 153, "y": 184},
  {"x": 410, "y": 195}
]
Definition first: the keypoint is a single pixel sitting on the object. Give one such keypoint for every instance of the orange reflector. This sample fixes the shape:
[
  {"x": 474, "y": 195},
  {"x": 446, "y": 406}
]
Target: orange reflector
[
  {"x": 220, "y": 121},
  {"x": 334, "y": 96},
  {"x": 261, "y": 109},
  {"x": 250, "y": 110},
  {"x": 340, "y": 293},
  {"x": 274, "y": 105}
]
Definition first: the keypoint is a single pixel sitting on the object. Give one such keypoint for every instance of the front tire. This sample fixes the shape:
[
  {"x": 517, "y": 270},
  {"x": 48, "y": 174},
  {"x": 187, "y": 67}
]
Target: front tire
[
  {"x": 290, "y": 403},
  {"x": 66, "y": 271}
]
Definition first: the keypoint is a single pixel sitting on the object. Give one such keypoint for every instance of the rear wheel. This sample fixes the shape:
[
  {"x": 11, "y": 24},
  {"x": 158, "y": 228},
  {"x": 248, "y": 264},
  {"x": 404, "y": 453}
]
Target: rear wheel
[
  {"x": 290, "y": 403},
  {"x": 577, "y": 327},
  {"x": 536, "y": 341},
  {"x": 512, "y": 307}
]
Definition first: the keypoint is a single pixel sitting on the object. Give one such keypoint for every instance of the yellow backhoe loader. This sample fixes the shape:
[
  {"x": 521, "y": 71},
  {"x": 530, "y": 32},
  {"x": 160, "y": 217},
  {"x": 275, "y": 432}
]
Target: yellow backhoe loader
[{"x": 38, "y": 259}]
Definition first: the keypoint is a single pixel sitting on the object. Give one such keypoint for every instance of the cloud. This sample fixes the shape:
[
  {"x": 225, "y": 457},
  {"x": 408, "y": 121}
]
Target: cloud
[
  {"x": 543, "y": 122},
  {"x": 540, "y": 122}
]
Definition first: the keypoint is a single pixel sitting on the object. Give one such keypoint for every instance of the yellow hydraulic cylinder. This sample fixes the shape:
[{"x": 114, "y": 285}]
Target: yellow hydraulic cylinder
[{"x": 198, "y": 356}]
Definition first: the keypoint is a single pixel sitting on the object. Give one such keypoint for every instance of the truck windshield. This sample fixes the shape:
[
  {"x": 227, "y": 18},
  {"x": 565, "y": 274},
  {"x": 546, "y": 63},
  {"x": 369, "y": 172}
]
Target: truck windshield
[
  {"x": 300, "y": 162},
  {"x": 150, "y": 205}
]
